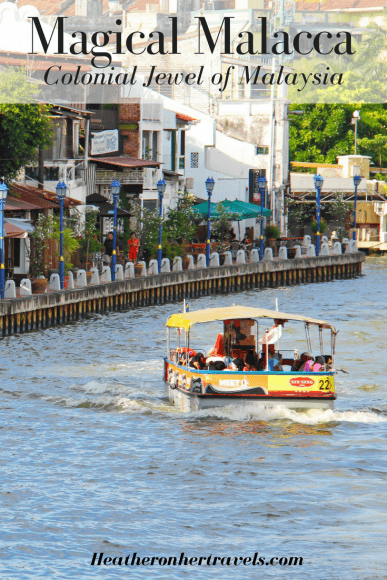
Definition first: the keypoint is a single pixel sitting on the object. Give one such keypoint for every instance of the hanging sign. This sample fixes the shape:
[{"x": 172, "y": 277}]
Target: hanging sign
[{"x": 104, "y": 142}]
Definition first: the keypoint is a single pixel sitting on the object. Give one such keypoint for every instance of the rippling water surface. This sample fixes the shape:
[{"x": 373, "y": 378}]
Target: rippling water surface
[{"x": 94, "y": 459}]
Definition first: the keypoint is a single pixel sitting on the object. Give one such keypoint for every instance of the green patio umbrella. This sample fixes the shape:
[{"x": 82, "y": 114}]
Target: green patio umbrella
[
  {"x": 202, "y": 209},
  {"x": 244, "y": 209}
]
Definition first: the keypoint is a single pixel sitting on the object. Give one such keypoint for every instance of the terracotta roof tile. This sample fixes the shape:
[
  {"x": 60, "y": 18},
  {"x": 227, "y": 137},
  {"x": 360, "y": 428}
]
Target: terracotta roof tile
[
  {"x": 42, "y": 62},
  {"x": 12, "y": 231},
  {"x": 42, "y": 198},
  {"x": 16, "y": 204},
  {"x": 184, "y": 117}
]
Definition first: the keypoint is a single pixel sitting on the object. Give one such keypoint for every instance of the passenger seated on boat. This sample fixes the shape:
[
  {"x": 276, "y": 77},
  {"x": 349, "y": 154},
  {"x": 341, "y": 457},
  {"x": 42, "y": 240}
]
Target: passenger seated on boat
[
  {"x": 301, "y": 361},
  {"x": 261, "y": 363},
  {"x": 181, "y": 357},
  {"x": 238, "y": 364},
  {"x": 218, "y": 365},
  {"x": 251, "y": 359},
  {"x": 319, "y": 365},
  {"x": 328, "y": 362},
  {"x": 306, "y": 367},
  {"x": 197, "y": 362},
  {"x": 275, "y": 362},
  {"x": 270, "y": 357}
]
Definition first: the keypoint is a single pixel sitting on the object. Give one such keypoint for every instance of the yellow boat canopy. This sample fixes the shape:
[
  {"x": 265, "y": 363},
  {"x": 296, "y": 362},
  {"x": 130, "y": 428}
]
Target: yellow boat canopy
[{"x": 187, "y": 319}]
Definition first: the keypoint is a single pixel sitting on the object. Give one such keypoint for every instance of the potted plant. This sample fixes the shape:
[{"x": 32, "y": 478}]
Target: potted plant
[
  {"x": 70, "y": 245},
  {"x": 313, "y": 227},
  {"x": 271, "y": 233},
  {"x": 89, "y": 243},
  {"x": 41, "y": 253},
  {"x": 323, "y": 226}
]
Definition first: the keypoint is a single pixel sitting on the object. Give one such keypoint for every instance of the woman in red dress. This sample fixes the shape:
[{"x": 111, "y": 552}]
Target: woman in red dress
[{"x": 133, "y": 244}]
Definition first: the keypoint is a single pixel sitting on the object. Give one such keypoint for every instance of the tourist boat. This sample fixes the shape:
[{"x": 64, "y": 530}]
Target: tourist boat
[{"x": 193, "y": 389}]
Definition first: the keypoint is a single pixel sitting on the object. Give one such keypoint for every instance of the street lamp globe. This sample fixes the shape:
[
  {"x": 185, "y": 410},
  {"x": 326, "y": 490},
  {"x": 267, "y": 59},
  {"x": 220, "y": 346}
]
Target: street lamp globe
[
  {"x": 318, "y": 181},
  {"x": 115, "y": 187},
  {"x": 161, "y": 185},
  {"x": 3, "y": 191},
  {"x": 356, "y": 180},
  {"x": 210, "y": 184},
  {"x": 61, "y": 190},
  {"x": 262, "y": 182}
]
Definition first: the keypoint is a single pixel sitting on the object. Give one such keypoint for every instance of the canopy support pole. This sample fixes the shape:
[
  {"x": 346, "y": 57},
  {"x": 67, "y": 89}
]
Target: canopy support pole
[
  {"x": 308, "y": 341},
  {"x": 320, "y": 331},
  {"x": 256, "y": 343}
]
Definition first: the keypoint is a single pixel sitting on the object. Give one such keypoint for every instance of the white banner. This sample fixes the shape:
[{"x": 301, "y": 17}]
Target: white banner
[{"x": 104, "y": 142}]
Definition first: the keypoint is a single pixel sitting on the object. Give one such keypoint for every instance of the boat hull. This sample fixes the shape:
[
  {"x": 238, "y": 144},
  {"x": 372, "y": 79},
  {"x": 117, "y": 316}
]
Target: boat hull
[{"x": 193, "y": 390}]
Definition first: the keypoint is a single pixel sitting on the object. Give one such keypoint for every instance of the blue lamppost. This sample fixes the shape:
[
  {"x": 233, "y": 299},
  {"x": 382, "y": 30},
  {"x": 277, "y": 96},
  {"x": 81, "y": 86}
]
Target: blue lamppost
[
  {"x": 262, "y": 190},
  {"x": 318, "y": 183},
  {"x": 116, "y": 186},
  {"x": 160, "y": 188},
  {"x": 356, "y": 182},
  {"x": 3, "y": 197},
  {"x": 61, "y": 193},
  {"x": 210, "y": 183}
]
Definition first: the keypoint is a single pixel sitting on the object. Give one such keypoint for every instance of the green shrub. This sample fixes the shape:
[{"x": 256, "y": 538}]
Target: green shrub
[
  {"x": 323, "y": 226},
  {"x": 272, "y": 232}
]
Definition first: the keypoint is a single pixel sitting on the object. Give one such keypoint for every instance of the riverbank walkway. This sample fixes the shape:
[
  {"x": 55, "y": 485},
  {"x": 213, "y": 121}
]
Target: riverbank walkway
[{"x": 33, "y": 311}]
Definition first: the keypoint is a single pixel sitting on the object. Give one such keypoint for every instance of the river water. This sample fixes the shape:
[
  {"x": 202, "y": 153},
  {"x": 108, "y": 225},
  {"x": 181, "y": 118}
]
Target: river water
[{"x": 94, "y": 459}]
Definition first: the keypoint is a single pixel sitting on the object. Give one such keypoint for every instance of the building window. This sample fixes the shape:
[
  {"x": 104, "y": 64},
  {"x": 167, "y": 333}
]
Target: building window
[
  {"x": 182, "y": 142},
  {"x": 150, "y": 145},
  {"x": 181, "y": 162},
  {"x": 106, "y": 191},
  {"x": 262, "y": 150},
  {"x": 150, "y": 204},
  {"x": 194, "y": 160},
  {"x": 32, "y": 172},
  {"x": 165, "y": 90},
  {"x": 51, "y": 173},
  {"x": 16, "y": 253}
]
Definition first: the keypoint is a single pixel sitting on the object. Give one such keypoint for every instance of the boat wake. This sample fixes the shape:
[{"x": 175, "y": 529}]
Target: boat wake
[
  {"x": 306, "y": 417},
  {"x": 109, "y": 396}
]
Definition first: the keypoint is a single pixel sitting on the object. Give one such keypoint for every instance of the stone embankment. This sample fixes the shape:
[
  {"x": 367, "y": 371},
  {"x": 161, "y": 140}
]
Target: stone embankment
[{"x": 43, "y": 310}]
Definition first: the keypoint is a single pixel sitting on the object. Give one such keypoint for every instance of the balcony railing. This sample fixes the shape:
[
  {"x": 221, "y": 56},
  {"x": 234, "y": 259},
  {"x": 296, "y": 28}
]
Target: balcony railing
[{"x": 106, "y": 177}]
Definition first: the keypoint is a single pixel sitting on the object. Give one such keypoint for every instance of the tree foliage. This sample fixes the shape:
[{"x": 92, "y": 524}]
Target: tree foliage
[
  {"x": 325, "y": 131},
  {"x": 39, "y": 257},
  {"x": 364, "y": 73},
  {"x": 179, "y": 226},
  {"x": 146, "y": 229},
  {"x": 221, "y": 225},
  {"x": 70, "y": 242},
  {"x": 24, "y": 127},
  {"x": 89, "y": 234}
]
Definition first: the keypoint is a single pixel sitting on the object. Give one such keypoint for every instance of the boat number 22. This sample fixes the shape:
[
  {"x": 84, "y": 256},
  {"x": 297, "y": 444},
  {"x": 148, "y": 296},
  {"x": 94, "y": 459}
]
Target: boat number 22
[{"x": 324, "y": 384}]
